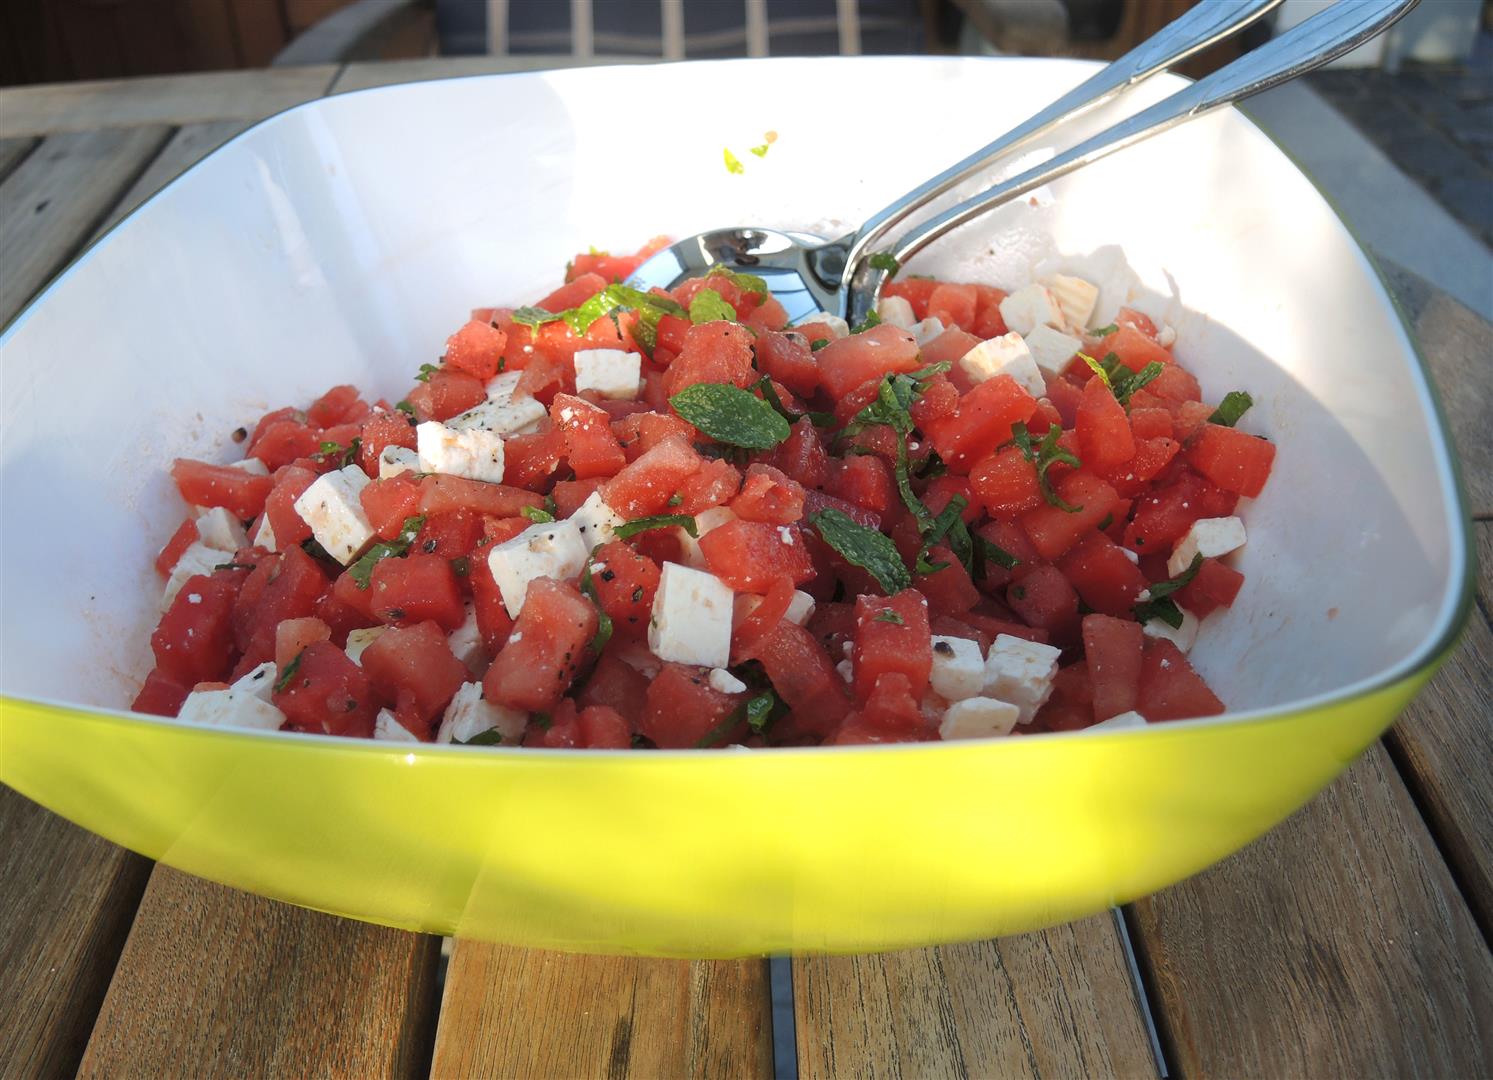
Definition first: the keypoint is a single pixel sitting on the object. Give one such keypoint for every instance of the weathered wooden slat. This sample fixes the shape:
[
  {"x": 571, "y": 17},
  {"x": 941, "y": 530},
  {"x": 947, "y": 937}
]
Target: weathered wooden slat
[
  {"x": 12, "y": 152},
  {"x": 1055, "y": 1003},
  {"x": 362, "y": 75},
  {"x": 56, "y": 197},
  {"x": 168, "y": 99},
  {"x": 66, "y": 901},
  {"x": 520, "y": 1012},
  {"x": 216, "y": 982},
  {"x": 1337, "y": 945},
  {"x": 189, "y": 145}
]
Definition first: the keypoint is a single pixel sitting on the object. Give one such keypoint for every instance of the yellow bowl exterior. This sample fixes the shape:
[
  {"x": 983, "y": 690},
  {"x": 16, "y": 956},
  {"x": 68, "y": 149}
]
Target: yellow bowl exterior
[{"x": 681, "y": 854}]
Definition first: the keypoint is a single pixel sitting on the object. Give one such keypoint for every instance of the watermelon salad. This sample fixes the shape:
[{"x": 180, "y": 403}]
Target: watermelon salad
[{"x": 621, "y": 519}]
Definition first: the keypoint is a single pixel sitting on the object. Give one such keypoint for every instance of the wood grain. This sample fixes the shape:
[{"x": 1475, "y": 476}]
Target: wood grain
[
  {"x": 66, "y": 904},
  {"x": 56, "y": 197},
  {"x": 13, "y": 152},
  {"x": 1337, "y": 945},
  {"x": 363, "y": 75},
  {"x": 216, "y": 982},
  {"x": 170, "y": 99},
  {"x": 1055, "y": 1003},
  {"x": 518, "y": 1012},
  {"x": 189, "y": 145}
]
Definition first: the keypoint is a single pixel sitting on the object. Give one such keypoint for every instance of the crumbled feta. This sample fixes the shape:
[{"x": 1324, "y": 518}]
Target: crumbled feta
[
  {"x": 264, "y": 534},
  {"x": 691, "y": 621},
  {"x": 846, "y": 670},
  {"x": 612, "y": 373},
  {"x": 705, "y": 521},
  {"x": 1052, "y": 349},
  {"x": 958, "y": 668},
  {"x": 1132, "y": 556},
  {"x": 387, "y": 728},
  {"x": 552, "y": 549},
  {"x": 1211, "y": 538},
  {"x": 508, "y": 416},
  {"x": 926, "y": 330},
  {"x": 1119, "y": 722},
  {"x": 1076, "y": 299},
  {"x": 469, "y": 715},
  {"x": 1021, "y": 672},
  {"x": 1005, "y": 355},
  {"x": 332, "y": 508},
  {"x": 1026, "y": 309},
  {"x": 722, "y": 680},
  {"x": 475, "y": 453},
  {"x": 838, "y": 327},
  {"x": 217, "y": 528},
  {"x": 393, "y": 460},
  {"x": 467, "y": 644},
  {"x": 896, "y": 311},
  {"x": 360, "y": 639},
  {"x": 596, "y": 521},
  {"x": 1183, "y": 637},
  {"x": 260, "y": 682},
  {"x": 230, "y": 708},
  {"x": 1166, "y": 337},
  {"x": 251, "y": 465},
  {"x": 978, "y": 718},
  {"x": 197, "y": 559}
]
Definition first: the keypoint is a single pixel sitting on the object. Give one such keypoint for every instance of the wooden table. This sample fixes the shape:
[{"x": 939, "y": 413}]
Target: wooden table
[{"x": 1350, "y": 941}]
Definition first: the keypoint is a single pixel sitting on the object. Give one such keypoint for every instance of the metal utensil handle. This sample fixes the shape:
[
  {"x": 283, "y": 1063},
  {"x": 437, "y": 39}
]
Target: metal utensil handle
[
  {"x": 1331, "y": 33},
  {"x": 1199, "y": 27}
]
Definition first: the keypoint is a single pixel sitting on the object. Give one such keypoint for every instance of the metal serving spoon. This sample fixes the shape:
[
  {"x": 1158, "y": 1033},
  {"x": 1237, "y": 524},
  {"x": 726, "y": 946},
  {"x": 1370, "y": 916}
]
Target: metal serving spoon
[{"x": 808, "y": 274}]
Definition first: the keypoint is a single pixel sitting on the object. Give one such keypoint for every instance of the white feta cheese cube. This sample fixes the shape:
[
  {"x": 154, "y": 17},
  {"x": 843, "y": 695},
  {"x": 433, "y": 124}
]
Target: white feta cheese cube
[
  {"x": 1166, "y": 337},
  {"x": 219, "y": 529},
  {"x": 612, "y": 373},
  {"x": 596, "y": 521},
  {"x": 926, "y": 330},
  {"x": 1026, "y": 309},
  {"x": 1132, "y": 556},
  {"x": 978, "y": 718},
  {"x": 691, "y": 621},
  {"x": 467, "y": 644},
  {"x": 501, "y": 386},
  {"x": 251, "y": 465},
  {"x": 838, "y": 327},
  {"x": 800, "y": 608},
  {"x": 896, "y": 311},
  {"x": 846, "y": 670},
  {"x": 264, "y": 534},
  {"x": 1119, "y": 722},
  {"x": 958, "y": 668},
  {"x": 1183, "y": 637},
  {"x": 360, "y": 639},
  {"x": 1005, "y": 355},
  {"x": 552, "y": 549},
  {"x": 1021, "y": 672},
  {"x": 332, "y": 508},
  {"x": 1211, "y": 538},
  {"x": 474, "y": 453},
  {"x": 260, "y": 682},
  {"x": 1076, "y": 299},
  {"x": 469, "y": 715},
  {"x": 393, "y": 460},
  {"x": 1052, "y": 349},
  {"x": 722, "y": 680},
  {"x": 230, "y": 708},
  {"x": 509, "y": 416},
  {"x": 197, "y": 559},
  {"x": 387, "y": 728},
  {"x": 706, "y": 520}
]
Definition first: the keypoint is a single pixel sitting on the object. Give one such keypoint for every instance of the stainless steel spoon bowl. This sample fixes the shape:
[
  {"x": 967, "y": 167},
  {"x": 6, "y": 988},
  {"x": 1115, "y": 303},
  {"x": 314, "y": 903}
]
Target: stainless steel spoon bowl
[{"x": 810, "y": 274}]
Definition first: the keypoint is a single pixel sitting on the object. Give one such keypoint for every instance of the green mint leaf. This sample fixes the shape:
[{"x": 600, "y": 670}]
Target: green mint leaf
[
  {"x": 329, "y": 448},
  {"x": 755, "y": 712},
  {"x": 629, "y": 529},
  {"x": 872, "y": 319},
  {"x": 491, "y": 737},
  {"x": 731, "y": 415},
  {"x": 675, "y": 499},
  {"x": 534, "y": 316},
  {"x": 759, "y": 711},
  {"x": 923, "y": 566},
  {"x": 1105, "y": 331},
  {"x": 1043, "y": 456},
  {"x": 406, "y": 408},
  {"x": 233, "y": 566},
  {"x": 1234, "y": 405},
  {"x": 885, "y": 260},
  {"x": 996, "y": 554},
  {"x": 290, "y": 669},
  {"x": 1109, "y": 519},
  {"x": 579, "y": 319},
  {"x": 904, "y": 488},
  {"x": 542, "y": 721},
  {"x": 889, "y": 616},
  {"x": 1164, "y": 609},
  {"x": 604, "y": 621},
  {"x": 747, "y": 282},
  {"x": 1098, "y": 369},
  {"x": 867, "y": 548},
  {"x": 362, "y": 571},
  {"x": 1141, "y": 378},
  {"x": 708, "y": 306},
  {"x": 817, "y": 344},
  {"x": 733, "y": 163},
  {"x": 426, "y": 371},
  {"x": 1166, "y": 588},
  {"x": 536, "y": 515}
]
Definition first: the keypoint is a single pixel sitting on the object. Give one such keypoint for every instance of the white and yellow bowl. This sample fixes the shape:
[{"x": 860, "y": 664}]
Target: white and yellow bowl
[{"x": 342, "y": 240}]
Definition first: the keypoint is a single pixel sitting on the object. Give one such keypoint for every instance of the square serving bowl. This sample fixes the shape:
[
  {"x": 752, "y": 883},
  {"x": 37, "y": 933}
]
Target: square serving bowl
[{"x": 342, "y": 240}]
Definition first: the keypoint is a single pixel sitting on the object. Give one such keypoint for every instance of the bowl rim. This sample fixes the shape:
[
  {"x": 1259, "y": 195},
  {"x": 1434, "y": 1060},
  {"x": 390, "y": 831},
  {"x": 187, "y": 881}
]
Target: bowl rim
[{"x": 1422, "y": 660}]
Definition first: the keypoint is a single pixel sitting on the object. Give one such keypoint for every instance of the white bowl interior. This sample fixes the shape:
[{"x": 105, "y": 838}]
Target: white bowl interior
[{"x": 343, "y": 240}]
